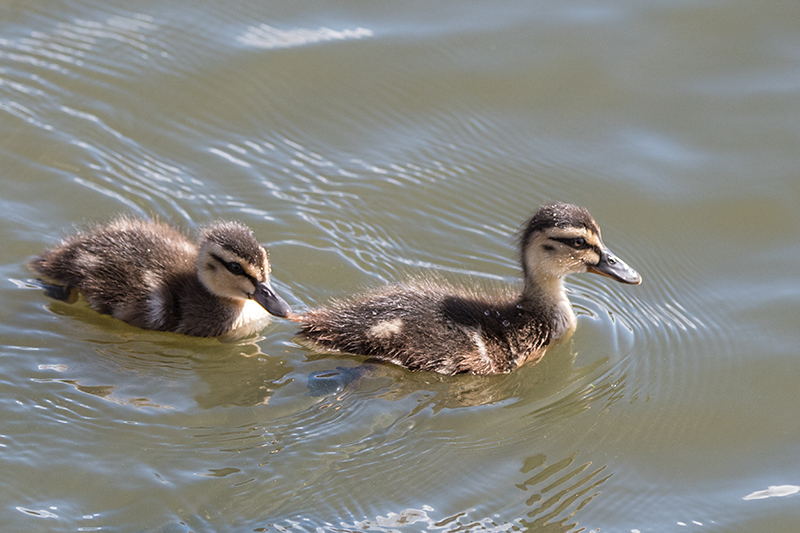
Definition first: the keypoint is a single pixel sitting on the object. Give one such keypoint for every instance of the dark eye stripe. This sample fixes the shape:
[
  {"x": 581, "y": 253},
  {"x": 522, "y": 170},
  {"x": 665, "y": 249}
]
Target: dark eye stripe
[
  {"x": 570, "y": 241},
  {"x": 234, "y": 268}
]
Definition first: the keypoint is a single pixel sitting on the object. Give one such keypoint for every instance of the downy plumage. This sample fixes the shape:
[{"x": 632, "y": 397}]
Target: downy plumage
[
  {"x": 428, "y": 324},
  {"x": 152, "y": 276}
]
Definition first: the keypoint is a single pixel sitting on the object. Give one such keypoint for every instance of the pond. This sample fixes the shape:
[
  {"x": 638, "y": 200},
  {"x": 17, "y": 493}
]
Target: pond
[{"x": 367, "y": 142}]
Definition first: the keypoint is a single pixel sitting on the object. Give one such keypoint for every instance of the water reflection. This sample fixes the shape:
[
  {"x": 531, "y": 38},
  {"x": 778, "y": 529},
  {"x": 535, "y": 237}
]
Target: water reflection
[
  {"x": 257, "y": 377},
  {"x": 553, "y": 491},
  {"x": 528, "y": 385},
  {"x": 560, "y": 499},
  {"x": 554, "y": 385},
  {"x": 163, "y": 371}
]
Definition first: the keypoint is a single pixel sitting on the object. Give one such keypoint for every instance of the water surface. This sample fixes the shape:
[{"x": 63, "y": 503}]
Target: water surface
[{"x": 366, "y": 143}]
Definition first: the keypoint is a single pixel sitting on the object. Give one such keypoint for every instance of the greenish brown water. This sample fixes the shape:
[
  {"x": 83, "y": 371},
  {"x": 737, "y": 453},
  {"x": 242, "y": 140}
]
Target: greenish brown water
[{"x": 366, "y": 142}]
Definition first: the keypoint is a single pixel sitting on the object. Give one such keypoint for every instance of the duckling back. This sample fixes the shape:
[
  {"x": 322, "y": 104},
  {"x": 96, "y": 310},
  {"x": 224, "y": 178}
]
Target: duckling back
[
  {"x": 121, "y": 267},
  {"x": 432, "y": 326}
]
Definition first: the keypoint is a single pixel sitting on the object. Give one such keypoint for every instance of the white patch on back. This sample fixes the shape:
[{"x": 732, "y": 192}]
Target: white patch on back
[
  {"x": 385, "y": 329},
  {"x": 475, "y": 335},
  {"x": 156, "y": 309},
  {"x": 87, "y": 260},
  {"x": 151, "y": 280}
]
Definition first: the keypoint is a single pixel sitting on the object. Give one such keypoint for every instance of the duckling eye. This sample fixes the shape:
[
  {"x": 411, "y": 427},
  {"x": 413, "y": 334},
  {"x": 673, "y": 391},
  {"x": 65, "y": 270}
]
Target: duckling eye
[
  {"x": 578, "y": 242},
  {"x": 235, "y": 268}
]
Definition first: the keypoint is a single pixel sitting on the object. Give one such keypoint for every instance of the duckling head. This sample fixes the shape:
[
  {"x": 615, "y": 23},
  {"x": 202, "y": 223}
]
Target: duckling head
[
  {"x": 562, "y": 239},
  {"x": 231, "y": 264}
]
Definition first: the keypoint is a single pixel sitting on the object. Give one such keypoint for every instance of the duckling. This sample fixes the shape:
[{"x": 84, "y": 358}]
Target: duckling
[
  {"x": 150, "y": 275},
  {"x": 429, "y": 324}
]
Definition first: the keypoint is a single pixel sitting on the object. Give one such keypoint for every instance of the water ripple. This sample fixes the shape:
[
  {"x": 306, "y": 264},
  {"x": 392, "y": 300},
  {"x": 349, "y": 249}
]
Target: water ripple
[
  {"x": 377, "y": 150},
  {"x": 554, "y": 492},
  {"x": 45, "y": 72},
  {"x": 266, "y": 36}
]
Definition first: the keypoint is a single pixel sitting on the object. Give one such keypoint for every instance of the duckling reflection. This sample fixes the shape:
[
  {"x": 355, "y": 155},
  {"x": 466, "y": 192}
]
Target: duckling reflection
[
  {"x": 432, "y": 325},
  {"x": 151, "y": 276},
  {"x": 531, "y": 385},
  {"x": 238, "y": 374}
]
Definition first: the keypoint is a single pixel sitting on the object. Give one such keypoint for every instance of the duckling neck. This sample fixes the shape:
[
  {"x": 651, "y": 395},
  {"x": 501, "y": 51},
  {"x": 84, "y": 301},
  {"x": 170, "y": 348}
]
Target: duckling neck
[{"x": 549, "y": 294}]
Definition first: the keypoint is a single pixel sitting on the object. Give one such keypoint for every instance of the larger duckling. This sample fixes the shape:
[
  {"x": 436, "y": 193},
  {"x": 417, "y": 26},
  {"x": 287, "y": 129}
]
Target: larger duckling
[
  {"x": 432, "y": 325},
  {"x": 152, "y": 276}
]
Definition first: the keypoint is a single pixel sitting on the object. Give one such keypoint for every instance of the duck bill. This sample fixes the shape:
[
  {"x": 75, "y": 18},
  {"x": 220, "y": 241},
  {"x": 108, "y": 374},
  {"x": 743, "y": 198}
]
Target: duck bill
[
  {"x": 274, "y": 304},
  {"x": 615, "y": 268}
]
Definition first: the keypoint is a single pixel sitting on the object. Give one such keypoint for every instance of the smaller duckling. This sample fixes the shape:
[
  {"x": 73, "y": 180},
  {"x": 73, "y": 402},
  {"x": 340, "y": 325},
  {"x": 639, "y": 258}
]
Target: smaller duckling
[
  {"x": 151, "y": 276},
  {"x": 432, "y": 325}
]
